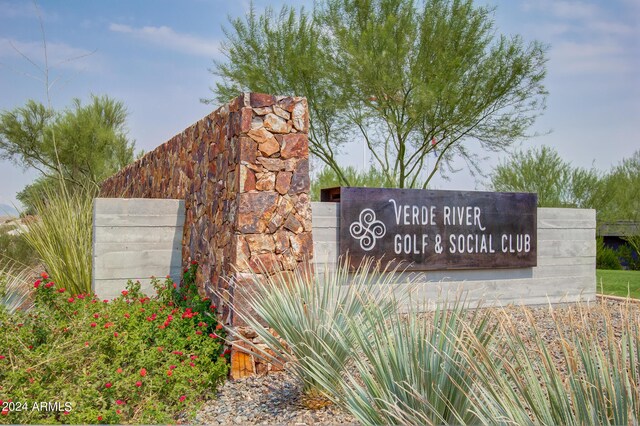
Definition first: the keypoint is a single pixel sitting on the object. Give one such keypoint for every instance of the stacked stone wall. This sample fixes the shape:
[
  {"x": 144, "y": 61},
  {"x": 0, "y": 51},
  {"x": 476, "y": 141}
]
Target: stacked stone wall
[{"x": 243, "y": 171}]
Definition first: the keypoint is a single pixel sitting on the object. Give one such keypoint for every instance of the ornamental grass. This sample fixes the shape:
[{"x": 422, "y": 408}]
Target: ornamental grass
[
  {"x": 61, "y": 235},
  {"x": 592, "y": 378},
  {"x": 410, "y": 370},
  {"x": 311, "y": 316}
]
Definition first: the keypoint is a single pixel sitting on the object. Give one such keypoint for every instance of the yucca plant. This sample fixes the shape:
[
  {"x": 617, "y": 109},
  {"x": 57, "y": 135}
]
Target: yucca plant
[
  {"x": 15, "y": 286},
  {"x": 412, "y": 369},
  {"x": 311, "y": 315},
  {"x": 61, "y": 234},
  {"x": 523, "y": 382}
]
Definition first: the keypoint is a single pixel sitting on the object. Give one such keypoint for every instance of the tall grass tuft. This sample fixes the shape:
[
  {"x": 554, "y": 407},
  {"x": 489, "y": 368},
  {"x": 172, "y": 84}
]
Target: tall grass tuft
[
  {"x": 311, "y": 315},
  {"x": 61, "y": 235},
  {"x": 524, "y": 382}
]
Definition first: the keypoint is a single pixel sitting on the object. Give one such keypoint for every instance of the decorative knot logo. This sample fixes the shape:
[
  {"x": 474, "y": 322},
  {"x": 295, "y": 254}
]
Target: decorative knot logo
[{"x": 368, "y": 229}]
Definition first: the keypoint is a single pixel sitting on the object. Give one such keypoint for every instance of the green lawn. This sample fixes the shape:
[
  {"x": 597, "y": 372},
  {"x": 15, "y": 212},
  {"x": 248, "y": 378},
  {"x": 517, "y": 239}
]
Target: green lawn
[{"x": 618, "y": 283}]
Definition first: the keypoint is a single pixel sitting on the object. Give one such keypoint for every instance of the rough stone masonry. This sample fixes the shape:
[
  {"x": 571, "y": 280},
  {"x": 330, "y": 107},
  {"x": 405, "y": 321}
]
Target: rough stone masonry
[{"x": 243, "y": 171}]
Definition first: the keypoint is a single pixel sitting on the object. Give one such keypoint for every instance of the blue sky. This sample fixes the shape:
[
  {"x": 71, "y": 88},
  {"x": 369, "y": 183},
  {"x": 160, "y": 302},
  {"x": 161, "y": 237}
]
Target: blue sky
[{"x": 155, "y": 55}]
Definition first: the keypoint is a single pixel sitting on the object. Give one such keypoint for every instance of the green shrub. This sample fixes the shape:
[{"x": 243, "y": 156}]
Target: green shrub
[
  {"x": 626, "y": 255},
  {"x": 606, "y": 258},
  {"x": 134, "y": 359},
  {"x": 61, "y": 235}
]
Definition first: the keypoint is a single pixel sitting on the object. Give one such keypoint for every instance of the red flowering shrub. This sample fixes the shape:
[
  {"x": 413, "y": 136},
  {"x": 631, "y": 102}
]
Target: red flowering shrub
[{"x": 80, "y": 361}]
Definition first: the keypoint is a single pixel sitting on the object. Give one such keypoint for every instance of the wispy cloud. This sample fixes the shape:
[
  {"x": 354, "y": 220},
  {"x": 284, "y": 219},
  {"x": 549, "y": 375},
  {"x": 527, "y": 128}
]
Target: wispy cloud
[
  {"x": 166, "y": 37},
  {"x": 17, "y": 10},
  {"x": 590, "y": 57},
  {"x": 585, "y": 38}
]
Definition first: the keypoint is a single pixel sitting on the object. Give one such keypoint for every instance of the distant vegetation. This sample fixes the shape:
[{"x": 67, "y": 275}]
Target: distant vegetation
[{"x": 618, "y": 283}]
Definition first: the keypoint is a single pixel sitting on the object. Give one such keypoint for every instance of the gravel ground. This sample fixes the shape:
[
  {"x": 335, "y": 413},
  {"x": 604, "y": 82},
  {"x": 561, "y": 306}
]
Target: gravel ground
[{"x": 274, "y": 398}]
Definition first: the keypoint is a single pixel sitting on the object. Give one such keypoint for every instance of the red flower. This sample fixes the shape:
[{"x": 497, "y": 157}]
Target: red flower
[
  {"x": 107, "y": 325},
  {"x": 5, "y": 411},
  {"x": 105, "y": 301},
  {"x": 108, "y": 385},
  {"x": 177, "y": 353},
  {"x": 169, "y": 373},
  {"x": 138, "y": 383},
  {"x": 44, "y": 276},
  {"x": 115, "y": 334},
  {"x": 86, "y": 344},
  {"x": 219, "y": 327},
  {"x": 126, "y": 315},
  {"x": 213, "y": 335},
  {"x": 143, "y": 372},
  {"x": 192, "y": 364},
  {"x": 99, "y": 418},
  {"x": 125, "y": 292},
  {"x": 182, "y": 398},
  {"x": 48, "y": 285},
  {"x": 194, "y": 262},
  {"x": 93, "y": 324},
  {"x": 198, "y": 332},
  {"x": 119, "y": 370},
  {"x": 119, "y": 401},
  {"x": 30, "y": 346},
  {"x": 2, "y": 357},
  {"x": 37, "y": 284},
  {"x": 61, "y": 290},
  {"x": 70, "y": 300},
  {"x": 96, "y": 316},
  {"x": 172, "y": 367},
  {"x": 118, "y": 411}
]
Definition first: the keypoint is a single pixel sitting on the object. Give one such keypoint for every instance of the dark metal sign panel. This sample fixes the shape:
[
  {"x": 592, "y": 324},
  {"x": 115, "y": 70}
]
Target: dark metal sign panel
[{"x": 435, "y": 230}]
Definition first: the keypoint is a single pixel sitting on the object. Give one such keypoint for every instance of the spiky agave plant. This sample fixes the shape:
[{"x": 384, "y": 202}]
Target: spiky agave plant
[
  {"x": 311, "y": 315},
  {"x": 523, "y": 383}
]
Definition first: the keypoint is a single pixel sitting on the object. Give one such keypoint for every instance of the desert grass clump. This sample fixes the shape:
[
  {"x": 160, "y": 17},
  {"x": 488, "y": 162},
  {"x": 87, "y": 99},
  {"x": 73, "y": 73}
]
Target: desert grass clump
[
  {"x": 310, "y": 313},
  {"x": 61, "y": 235},
  {"x": 593, "y": 378}
]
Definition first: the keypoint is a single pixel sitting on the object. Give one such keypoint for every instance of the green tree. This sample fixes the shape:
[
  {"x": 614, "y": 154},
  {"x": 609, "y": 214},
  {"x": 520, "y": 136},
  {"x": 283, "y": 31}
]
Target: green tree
[
  {"x": 328, "y": 178},
  {"x": 408, "y": 78},
  {"x": 557, "y": 182},
  {"x": 83, "y": 144},
  {"x": 622, "y": 186}
]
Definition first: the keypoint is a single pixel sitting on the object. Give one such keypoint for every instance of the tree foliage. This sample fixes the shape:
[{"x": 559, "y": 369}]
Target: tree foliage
[
  {"x": 406, "y": 77},
  {"x": 622, "y": 187},
  {"x": 556, "y": 181},
  {"x": 83, "y": 144},
  {"x": 328, "y": 178}
]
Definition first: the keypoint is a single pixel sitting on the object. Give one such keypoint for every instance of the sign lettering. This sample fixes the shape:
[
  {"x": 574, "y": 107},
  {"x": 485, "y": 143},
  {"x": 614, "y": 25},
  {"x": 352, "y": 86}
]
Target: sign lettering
[{"x": 430, "y": 230}]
